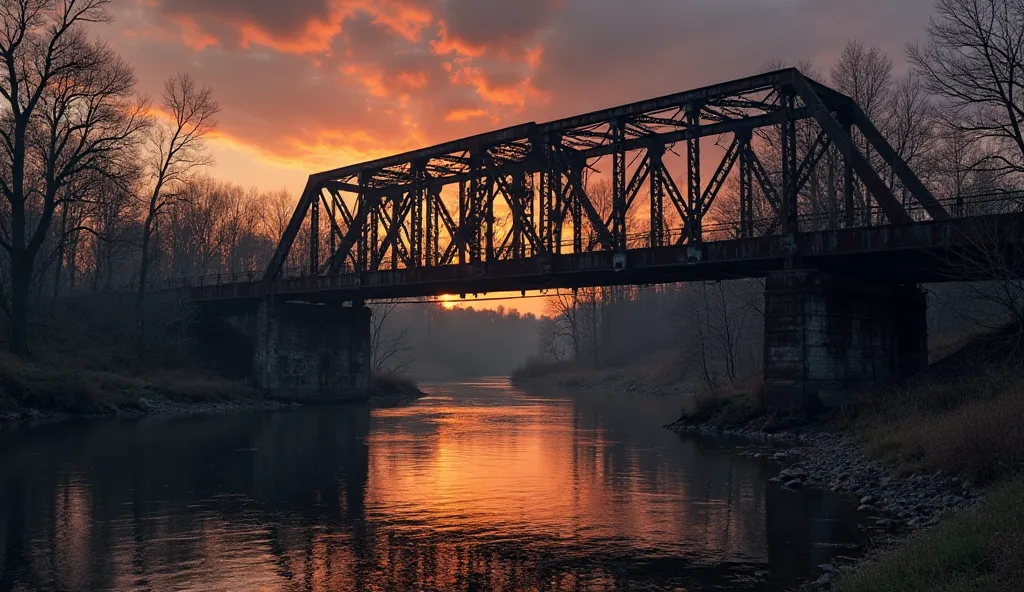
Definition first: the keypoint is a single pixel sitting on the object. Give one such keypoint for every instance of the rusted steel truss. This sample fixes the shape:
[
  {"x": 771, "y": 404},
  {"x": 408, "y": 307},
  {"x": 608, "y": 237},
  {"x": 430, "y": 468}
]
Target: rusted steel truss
[{"x": 530, "y": 190}]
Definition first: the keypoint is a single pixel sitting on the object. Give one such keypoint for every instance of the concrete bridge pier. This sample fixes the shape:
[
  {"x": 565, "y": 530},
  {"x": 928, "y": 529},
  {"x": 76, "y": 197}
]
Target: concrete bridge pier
[
  {"x": 827, "y": 335},
  {"x": 312, "y": 352}
]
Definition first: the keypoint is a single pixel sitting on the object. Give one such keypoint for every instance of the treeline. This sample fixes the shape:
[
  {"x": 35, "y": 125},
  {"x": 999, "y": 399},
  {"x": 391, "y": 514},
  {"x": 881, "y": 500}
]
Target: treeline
[
  {"x": 105, "y": 189},
  {"x": 714, "y": 330},
  {"x": 429, "y": 342}
]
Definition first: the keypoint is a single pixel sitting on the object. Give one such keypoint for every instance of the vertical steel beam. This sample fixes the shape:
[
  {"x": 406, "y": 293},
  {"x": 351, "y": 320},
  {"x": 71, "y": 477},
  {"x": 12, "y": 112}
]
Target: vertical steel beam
[
  {"x": 374, "y": 238},
  {"x": 529, "y": 220},
  {"x": 474, "y": 220},
  {"x": 396, "y": 227},
  {"x": 431, "y": 230},
  {"x": 694, "y": 192},
  {"x": 363, "y": 248},
  {"x": 557, "y": 206},
  {"x": 848, "y": 183},
  {"x": 462, "y": 235},
  {"x": 618, "y": 130},
  {"x": 488, "y": 208},
  {"x": 657, "y": 213},
  {"x": 746, "y": 227},
  {"x": 314, "y": 233},
  {"x": 516, "y": 198},
  {"x": 548, "y": 210},
  {"x": 576, "y": 179},
  {"x": 790, "y": 206},
  {"x": 334, "y": 220},
  {"x": 417, "y": 196}
]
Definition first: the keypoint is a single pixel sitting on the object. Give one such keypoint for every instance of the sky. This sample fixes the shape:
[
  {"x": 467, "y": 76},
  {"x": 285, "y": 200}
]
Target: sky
[{"x": 311, "y": 85}]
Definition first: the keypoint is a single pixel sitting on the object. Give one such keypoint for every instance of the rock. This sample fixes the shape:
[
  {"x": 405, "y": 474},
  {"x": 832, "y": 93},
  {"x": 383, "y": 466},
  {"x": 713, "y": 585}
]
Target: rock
[
  {"x": 827, "y": 568},
  {"x": 868, "y": 500},
  {"x": 865, "y": 508},
  {"x": 825, "y": 581},
  {"x": 794, "y": 484}
]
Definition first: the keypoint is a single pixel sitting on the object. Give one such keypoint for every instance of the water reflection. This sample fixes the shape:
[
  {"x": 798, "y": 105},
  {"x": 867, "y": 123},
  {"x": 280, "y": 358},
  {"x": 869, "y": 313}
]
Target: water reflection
[{"x": 479, "y": 487}]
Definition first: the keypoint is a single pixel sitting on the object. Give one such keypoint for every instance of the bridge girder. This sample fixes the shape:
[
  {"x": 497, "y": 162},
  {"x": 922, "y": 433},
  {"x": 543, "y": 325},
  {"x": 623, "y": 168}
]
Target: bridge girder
[{"x": 516, "y": 193}]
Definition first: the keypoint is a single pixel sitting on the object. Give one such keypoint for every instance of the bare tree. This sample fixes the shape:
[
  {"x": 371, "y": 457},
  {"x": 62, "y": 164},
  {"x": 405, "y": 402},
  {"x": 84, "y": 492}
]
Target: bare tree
[
  {"x": 973, "y": 60},
  {"x": 65, "y": 109},
  {"x": 551, "y": 340},
  {"x": 563, "y": 307},
  {"x": 989, "y": 269},
  {"x": 176, "y": 149},
  {"x": 388, "y": 344}
]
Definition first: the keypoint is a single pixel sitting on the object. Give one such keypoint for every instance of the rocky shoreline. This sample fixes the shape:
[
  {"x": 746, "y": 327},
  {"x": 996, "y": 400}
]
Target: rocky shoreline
[{"x": 894, "y": 506}]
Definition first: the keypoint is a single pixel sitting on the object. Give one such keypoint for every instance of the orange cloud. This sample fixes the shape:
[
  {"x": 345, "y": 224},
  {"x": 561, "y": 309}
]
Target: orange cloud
[
  {"x": 446, "y": 44},
  {"x": 407, "y": 21},
  {"x": 456, "y": 115},
  {"x": 372, "y": 79},
  {"x": 192, "y": 35},
  {"x": 316, "y": 38},
  {"x": 413, "y": 79},
  {"x": 509, "y": 94}
]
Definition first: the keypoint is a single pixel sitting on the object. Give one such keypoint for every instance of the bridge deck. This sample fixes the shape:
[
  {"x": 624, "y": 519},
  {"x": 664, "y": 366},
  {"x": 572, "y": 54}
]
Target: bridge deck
[{"x": 920, "y": 252}]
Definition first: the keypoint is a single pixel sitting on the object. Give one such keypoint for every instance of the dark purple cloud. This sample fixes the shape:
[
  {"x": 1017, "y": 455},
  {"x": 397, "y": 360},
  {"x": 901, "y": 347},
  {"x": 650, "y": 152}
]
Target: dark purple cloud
[{"x": 305, "y": 79}]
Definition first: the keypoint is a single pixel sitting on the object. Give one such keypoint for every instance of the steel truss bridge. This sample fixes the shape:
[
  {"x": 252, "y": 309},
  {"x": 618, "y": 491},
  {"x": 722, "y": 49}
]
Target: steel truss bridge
[{"x": 519, "y": 209}]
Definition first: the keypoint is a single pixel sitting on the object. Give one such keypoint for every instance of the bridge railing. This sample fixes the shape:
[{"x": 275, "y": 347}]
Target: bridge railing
[{"x": 963, "y": 206}]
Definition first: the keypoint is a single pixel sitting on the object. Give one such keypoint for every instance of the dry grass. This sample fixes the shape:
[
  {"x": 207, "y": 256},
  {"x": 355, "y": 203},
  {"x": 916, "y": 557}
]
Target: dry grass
[
  {"x": 970, "y": 426},
  {"x": 981, "y": 550},
  {"x": 657, "y": 372},
  {"x": 69, "y": 389},
  {"x": 536, "y": 369}
]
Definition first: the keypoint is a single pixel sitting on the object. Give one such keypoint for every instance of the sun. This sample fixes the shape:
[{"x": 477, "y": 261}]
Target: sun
[{"x": 449, "y": 301}]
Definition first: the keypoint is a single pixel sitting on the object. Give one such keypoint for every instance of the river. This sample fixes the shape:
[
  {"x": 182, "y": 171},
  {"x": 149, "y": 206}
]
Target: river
[{"x": 477, "y": 487}]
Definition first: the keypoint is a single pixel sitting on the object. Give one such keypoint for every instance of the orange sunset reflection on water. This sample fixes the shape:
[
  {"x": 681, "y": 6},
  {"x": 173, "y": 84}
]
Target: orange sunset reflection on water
[{"x": 478, "y": 487}]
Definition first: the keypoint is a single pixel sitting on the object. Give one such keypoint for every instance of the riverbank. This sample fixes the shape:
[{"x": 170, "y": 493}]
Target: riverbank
[
  {"x": 927, "y": 462},
  {"x": 36, "y": 391},
  {"x": 658, "y": 374},
  {"x": 923, "y": 461}
]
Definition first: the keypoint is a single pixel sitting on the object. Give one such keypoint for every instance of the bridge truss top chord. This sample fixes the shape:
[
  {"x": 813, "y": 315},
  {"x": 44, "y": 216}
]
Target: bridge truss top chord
[{"x": 530, "y": 189}]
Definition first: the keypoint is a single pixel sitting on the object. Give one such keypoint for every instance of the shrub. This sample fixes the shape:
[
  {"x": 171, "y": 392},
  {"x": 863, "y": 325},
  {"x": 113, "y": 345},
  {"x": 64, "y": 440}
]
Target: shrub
[
  {"x": 734, "y": 404},
  {"x": 539, "y": 368}
]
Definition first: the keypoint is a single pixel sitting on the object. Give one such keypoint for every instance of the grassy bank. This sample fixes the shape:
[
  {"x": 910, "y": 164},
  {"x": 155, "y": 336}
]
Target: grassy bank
[
  {"x": 661, "y": 373},
  {"x": 68, "y": 389},
  {"x": 981, "y": 550},
  {"x": 87, "y": 359}
]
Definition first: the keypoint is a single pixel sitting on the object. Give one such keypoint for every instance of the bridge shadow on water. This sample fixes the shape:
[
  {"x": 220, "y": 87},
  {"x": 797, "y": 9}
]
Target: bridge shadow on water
[{"x": 478, "y": 487}]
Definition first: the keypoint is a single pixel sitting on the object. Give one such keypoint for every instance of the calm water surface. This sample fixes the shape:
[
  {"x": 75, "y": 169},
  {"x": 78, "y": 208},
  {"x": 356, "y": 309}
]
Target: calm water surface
[{"x": 478, "y": 487}]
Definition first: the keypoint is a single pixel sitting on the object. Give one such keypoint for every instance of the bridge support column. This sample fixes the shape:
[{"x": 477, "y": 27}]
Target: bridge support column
[
  {"x": 312, "y": 352},
  {"x": 826, "y": 335}
]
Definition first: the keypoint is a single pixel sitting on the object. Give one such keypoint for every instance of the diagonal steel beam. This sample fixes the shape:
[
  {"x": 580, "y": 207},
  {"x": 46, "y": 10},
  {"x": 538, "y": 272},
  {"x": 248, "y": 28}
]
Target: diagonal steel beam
[
  {"x": 353, "y": 233},
  {"x": 883, "y": 195},
  {"x": 771, "y": 194},
  {"x": 290, "y": 232},
  {"x": 720, "y": 176},
  {"x": 814, "y": 155},
  {"x": 898, "y": 165}
]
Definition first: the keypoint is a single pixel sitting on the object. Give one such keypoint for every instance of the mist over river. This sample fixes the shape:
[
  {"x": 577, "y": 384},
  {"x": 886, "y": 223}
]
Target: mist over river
[{"x": 478, "y": 487}]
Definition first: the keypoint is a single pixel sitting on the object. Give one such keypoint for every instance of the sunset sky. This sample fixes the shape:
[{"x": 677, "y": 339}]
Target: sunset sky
[{"x": 309, "y": 85}]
